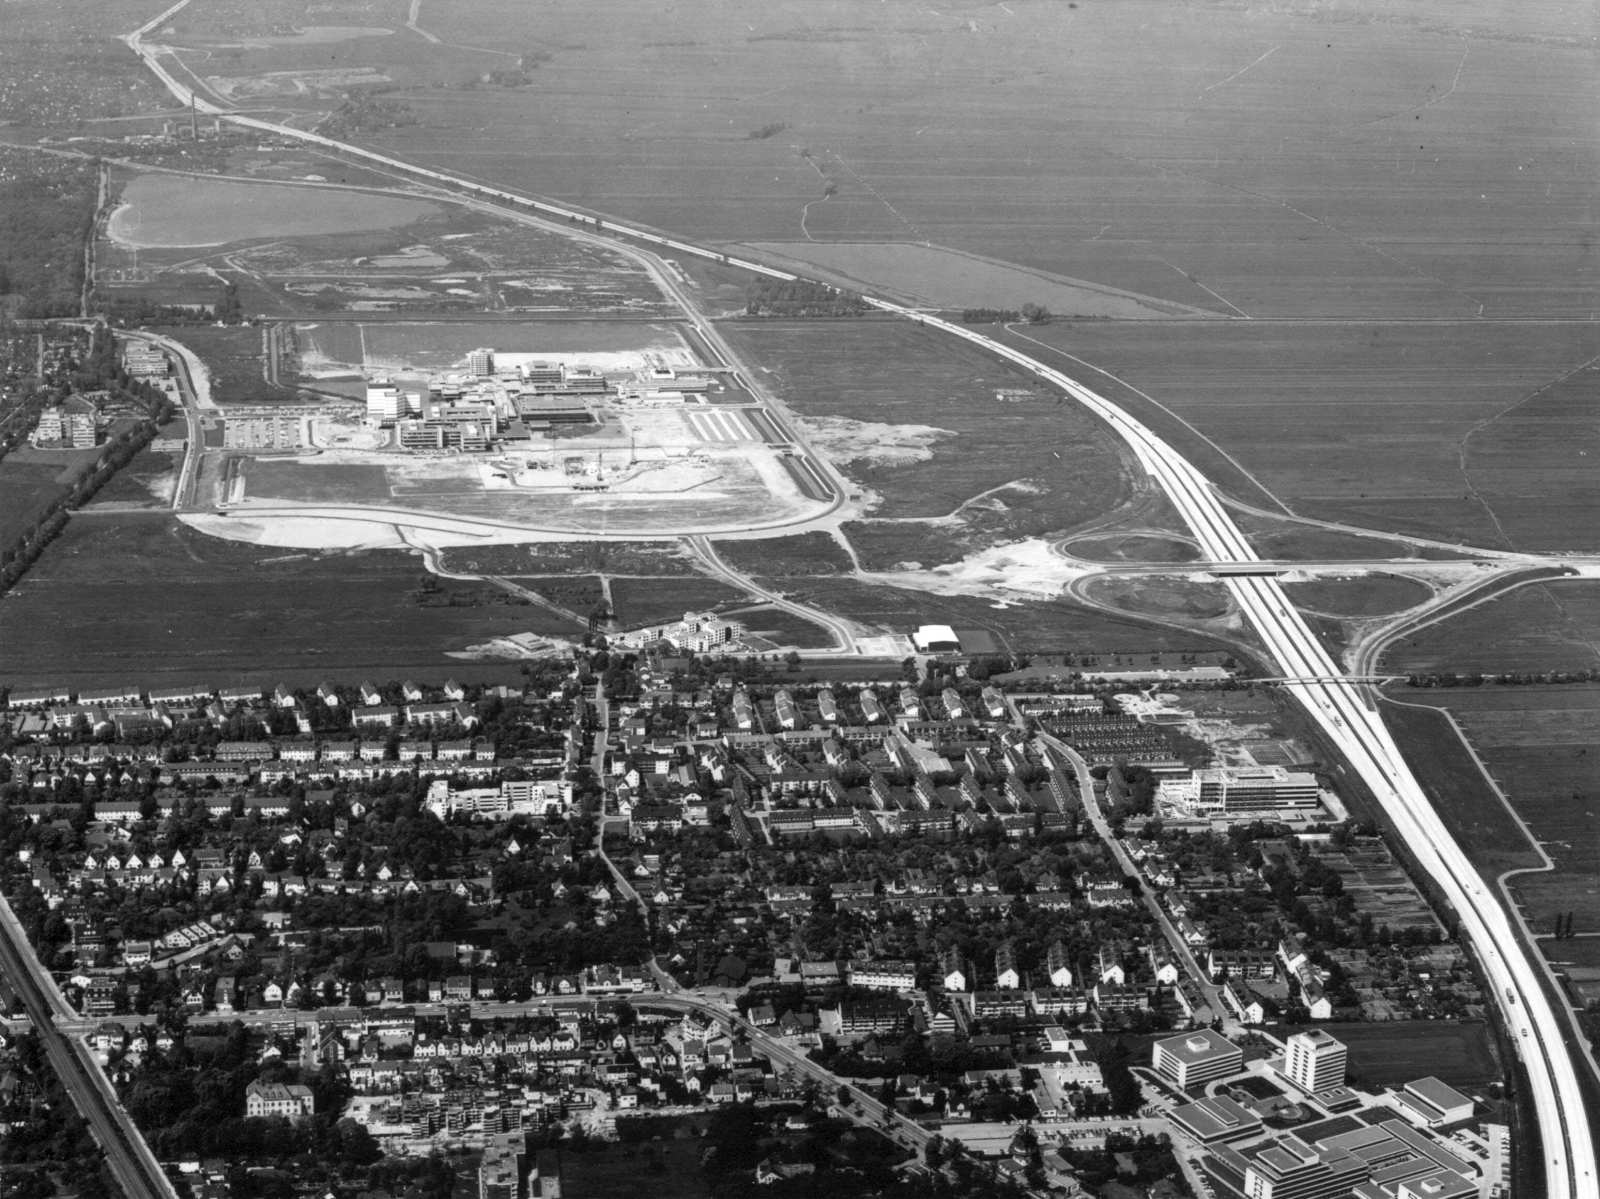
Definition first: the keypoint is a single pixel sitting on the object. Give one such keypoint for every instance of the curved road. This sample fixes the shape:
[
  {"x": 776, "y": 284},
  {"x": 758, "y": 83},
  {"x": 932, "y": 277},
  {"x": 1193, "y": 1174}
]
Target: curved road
[{"x": 1346, "y": 717}]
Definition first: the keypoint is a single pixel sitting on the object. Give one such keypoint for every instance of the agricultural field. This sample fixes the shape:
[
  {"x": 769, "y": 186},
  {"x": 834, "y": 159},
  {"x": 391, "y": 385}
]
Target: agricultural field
[
  {"x": 144, "y": 599},
  {"x": 1363, "y": 595},
  {"x": 1545, "y": 626},
  {"x": 913, "y": 419},
  {"x": 1351, "y": 162},
  {"x": 1461, "y": 432},
  {"x": 1542, "y": 743}
]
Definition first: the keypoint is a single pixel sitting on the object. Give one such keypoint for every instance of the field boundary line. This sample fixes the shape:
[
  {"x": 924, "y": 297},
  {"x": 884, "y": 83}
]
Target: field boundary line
[
  {"x": 1231, "y": 460},
  {"x": 1587, "y": 1057}
]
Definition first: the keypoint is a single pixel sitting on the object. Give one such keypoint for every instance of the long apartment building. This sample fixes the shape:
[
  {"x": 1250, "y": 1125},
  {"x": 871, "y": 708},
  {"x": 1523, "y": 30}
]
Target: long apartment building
[{"x": 1240, "y": 791}]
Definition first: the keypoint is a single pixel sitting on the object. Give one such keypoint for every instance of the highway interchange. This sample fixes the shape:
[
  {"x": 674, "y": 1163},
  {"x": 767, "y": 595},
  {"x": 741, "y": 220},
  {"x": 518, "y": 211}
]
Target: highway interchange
[{"x": 1345, "y": 713}]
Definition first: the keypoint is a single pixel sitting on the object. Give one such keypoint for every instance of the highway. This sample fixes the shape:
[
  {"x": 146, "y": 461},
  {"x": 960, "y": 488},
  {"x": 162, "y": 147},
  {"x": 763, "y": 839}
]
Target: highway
[
  {"x": 1344, "y": 712},
  {"x": 128, "y": 1156},
  {"x": 194, "y": 386}
]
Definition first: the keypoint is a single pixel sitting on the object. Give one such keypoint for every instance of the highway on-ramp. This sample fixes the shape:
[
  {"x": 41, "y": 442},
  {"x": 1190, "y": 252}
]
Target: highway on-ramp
[{"x": 1344, "y": 712}]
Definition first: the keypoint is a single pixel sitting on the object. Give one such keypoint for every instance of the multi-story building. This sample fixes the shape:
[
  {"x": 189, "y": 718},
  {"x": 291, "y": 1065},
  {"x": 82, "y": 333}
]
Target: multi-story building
[
  {"x": 1240, "y": 790},
  {"x": 1196, "y": 1058},
  {"x": 278, "y": 1099},
  {"x": 500, "y": 1172},
  {"x": 1288, "y": 1168},
  {"x": 1314, "y": 1061},
  {"x": 883, "y": 975},
  {"x": 480, "y": 362},
  {"x": 697, "y": 632}
]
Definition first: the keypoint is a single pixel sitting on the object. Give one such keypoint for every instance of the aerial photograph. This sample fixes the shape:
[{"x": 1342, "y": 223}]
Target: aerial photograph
[{"x": 801, "y": 599}]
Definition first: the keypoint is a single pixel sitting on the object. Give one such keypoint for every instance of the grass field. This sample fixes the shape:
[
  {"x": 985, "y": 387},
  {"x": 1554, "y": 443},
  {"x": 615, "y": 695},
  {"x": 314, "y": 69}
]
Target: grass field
[
  {"x": 31, "y": 480},
  {"x": 436, "y": 345},
  {"x": 1051, "y": 625},
  {"x": 667, "y": 1169},
  {"x": 1166, "y": 598},
  {"x": 1366, "y": 595},
  {"x": 779, "y": 557},
  {"x": 1382, "y": 1055},
  {"x": 641, "y": 601},
  {"x": 784, "y": 628},
  {"x": 316, "y": 482},
  {"x": 1541, "y": 627},
  {"x": 233, "y": 356},
  {"x": 1449, "y": 431},
  {"x": 1132, "y": 547},
  {"x": 1065, "y": 465},
  {"x": 573, "y": 557},
  {"x": 143, "y": 599}
]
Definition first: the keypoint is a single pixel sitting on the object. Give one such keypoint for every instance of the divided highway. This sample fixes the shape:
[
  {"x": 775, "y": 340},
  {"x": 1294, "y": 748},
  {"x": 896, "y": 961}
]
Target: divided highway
[{"x": 1342, "y": 710}]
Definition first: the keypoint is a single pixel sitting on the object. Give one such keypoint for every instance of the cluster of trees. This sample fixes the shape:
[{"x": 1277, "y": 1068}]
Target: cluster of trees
[
  {"x": 771, "y": 129},
  {"x": 800, "y": 297},
  {"x": 1520, "y": 678},
  {"x": 47, "y": 212},
  {"x": 228, "y": 309},
  {"x": 1034, "y": 314},
  {"x": 100, "y": 370},
  {"x": 366, "y": 112}
]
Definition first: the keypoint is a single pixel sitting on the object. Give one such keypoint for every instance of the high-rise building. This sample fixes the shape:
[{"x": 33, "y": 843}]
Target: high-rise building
[
  {"x": 1314, "y": 1061},
  {"x": 480, "y": 362}
]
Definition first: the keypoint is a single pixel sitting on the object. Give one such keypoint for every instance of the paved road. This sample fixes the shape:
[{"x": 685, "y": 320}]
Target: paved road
[
  {"x": 194, "y": 390},
  {"x": 1130, "y": 869},
  {"x": 844, "y": 633},
  {"x": 128, "y": 1156},
  {"x": 1345, "y": 717}
]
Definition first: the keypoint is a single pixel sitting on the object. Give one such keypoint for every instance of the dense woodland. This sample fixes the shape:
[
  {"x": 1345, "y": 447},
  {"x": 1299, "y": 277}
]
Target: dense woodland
[{"x": 47, "y": 211}]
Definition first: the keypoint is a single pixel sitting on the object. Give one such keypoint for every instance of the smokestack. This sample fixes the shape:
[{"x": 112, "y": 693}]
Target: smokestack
[{"x": 194, "y": 119}]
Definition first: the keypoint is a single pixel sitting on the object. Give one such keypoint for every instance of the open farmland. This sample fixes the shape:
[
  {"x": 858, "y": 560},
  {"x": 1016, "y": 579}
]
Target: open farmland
[
  {"x": 913, "y": 418},
  {"x": 30, "y": 481},
  {"x": 1542, "y": 743},
  {"x": 776, "y": 627},
  {"x": 1384, "y": 426},
  {"x": 144, "y": 599},
  {"x": 1358, "y": 160},
  {"x": 1545, "y": 626}
]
